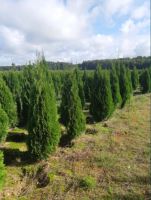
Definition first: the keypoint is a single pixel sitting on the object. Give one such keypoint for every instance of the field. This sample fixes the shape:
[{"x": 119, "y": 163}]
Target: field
[{"x": 110, "y": 161}]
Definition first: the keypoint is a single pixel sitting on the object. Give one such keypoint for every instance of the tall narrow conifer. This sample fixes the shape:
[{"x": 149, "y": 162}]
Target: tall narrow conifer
[
  {"x": 43, "y": 125},
  {"x": 71, "y": 109}
]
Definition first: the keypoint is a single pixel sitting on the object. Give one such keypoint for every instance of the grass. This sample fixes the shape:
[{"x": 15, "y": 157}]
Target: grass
[{"x": 111, "y": 163}]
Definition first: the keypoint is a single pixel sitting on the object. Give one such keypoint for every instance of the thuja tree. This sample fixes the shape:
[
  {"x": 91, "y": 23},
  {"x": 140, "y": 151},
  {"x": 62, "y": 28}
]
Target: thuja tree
[
  {"x": 56, "y": 77},
  {"x": 80, "y": 86},
  {"x": 129, "y": 79},
  {"x": 135, "y": 78},
  {"x": 125, "y": 89},
  {"x": 27, "y": 82},
  {"x": 101, "y": 103},
  {"x": 2, "y": 170},
  {"x": 71, "y": 109},
  {"x": 43, "y": 125},
  {"x": 145, "y": 81},
  {"x": 86, "y": 86},
  {"x": 7, "y": 103},
  {"x": 14, "y": 82},
  {"x": 115, "y": 87},
  {"x": 95, "y": 97},
  {"x": 149, "y": 70},
  {"x": 4, "y": 123}
]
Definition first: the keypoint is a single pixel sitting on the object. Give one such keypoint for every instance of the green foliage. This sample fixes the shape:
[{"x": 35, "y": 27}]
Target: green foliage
[
  {"x": 57, "y": 81},
  {"x": 71, "y": 109},
  {"x": 101, "y": 102},
  {"x": 145, "y": 81},
  {"x": 27, "y": 83},
  {"x": 88, "y": 182},
  {"x": 80, "y": 87},
  {"x": 129, "y": 80},
  {"x": 135, "y": 78},
  {"x": 125, "y": 89},
  {"x": 43, "y": 126},
  {"x": 4, "y": 122},
  {"x": 7, "y": 103},
  {"x": 149, "y": 69},
  {"x": 115, "y": 87},
  {"x": 14, "y": 82},
  {"x": 2, "y": 170},
  {"x": 86, "y": 86}
]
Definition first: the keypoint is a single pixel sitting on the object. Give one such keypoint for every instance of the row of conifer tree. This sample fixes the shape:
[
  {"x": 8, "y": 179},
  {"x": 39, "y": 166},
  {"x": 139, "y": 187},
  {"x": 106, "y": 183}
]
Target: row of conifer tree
[{"x": 39, "y": 100}]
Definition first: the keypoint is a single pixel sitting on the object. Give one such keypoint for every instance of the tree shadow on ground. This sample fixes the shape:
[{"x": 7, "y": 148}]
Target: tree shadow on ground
[
  {"x": 15, "y": 157},
  {"x": 16, "y": 137},
  {"x": 137, "y": 93},
  {"x": 65, "y": 141}
]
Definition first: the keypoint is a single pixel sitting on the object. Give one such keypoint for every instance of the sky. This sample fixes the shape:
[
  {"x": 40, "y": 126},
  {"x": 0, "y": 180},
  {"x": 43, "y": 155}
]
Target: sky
[{"x": 73, "y": 30}]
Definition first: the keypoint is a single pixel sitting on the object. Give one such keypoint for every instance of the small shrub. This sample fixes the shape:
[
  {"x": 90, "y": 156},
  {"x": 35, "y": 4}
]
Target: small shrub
[{"x": 88, "y": 182}]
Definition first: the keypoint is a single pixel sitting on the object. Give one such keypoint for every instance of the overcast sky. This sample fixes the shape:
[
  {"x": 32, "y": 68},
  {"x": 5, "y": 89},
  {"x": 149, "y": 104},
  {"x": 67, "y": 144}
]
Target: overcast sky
[{"x": 73, "y": 30}]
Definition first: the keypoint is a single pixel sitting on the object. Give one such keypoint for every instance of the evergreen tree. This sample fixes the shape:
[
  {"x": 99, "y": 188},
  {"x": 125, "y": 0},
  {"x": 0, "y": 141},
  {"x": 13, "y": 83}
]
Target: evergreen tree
[
  {"x": 71, "y": 109},
  {"x": 27, "y": 83},
  {"x": 56, "y": 77},
  {"x": 102, "y": 103},
  {"x": 14, "y": 82},
  {"x": 80, "y": 87},
  {"x": 149, "y": 70},
  {"x": 95, "y": 97},
  {"x": 115, "y": 87},
  {"x": 86, "y": 86},
  {"x": 129, "y": 80},
  {"x": 7, "y": 103},
  {"x": 135, "y": 78},
  {"x": 43, "y": 125},
  {"x": 125, "y": 89},
  {"x": 4, "y": 122},
  {"x": 145, "y": 81},
  {"x": 2, "y": 170}
]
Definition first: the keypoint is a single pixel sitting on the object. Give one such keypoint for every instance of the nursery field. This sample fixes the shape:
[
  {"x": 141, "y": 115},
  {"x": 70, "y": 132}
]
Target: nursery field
[{"x": 110, "y": 161}]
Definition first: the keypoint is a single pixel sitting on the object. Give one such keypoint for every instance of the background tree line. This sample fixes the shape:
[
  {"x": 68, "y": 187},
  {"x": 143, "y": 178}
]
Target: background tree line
[{"x": 139, "y": 62}]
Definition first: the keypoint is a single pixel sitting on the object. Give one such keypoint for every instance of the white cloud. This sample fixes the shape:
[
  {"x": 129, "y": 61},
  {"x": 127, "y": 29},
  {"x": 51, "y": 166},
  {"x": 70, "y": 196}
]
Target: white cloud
[
  {"x": 66, "y": 32},
  {"x": 142, "y": 11}
]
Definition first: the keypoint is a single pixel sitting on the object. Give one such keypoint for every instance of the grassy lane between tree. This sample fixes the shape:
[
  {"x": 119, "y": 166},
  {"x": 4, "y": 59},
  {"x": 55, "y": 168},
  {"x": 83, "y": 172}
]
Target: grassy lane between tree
[{"x": 110, "y": 161}]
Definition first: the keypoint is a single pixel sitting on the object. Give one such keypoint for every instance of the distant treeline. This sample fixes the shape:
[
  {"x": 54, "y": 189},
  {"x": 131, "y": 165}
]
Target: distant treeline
[{"x": 139, "y": 62}]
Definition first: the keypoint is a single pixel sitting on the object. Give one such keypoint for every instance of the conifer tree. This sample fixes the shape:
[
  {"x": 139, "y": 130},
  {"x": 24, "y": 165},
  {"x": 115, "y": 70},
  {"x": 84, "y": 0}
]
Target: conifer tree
[
  {"x": 115, "y": 87},
  {"x": 27, "y": 83},
  {"x": 149, "y": 70},
  {"x": 102, "y": 103},
  {"x": 2, "y": 170},
  {"x": 4, "y": 123},
  {"x": 135, "y": 78},
  {"x": 71, "y": 109},
  {"x": 145, "y": 81},
  {"x": 13, "y": 80},
  {"x": 129, "y": 80},
  {"x": 86, "y": 86},
  {"x": 43, "y": 125},
  {"x": 96, "y": 97},
  {"x": 80, "y": 87},
  {"x": 125, "y": 89},
  {"x": 7, "y": 103}
]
